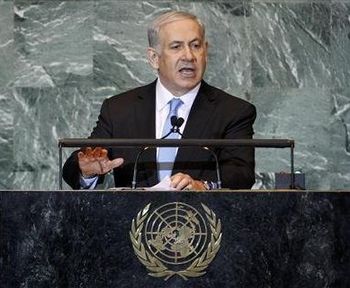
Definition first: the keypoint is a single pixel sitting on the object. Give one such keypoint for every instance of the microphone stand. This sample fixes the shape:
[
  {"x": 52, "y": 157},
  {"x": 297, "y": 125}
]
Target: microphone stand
[
  {"x": 217, "y": 166},
  {"x": 134, "y": 176},
  {"x": 176, "y": 123}
]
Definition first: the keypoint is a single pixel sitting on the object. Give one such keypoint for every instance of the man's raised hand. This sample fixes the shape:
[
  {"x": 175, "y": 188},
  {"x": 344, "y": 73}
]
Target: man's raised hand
[{"x": 94, "y": 161}]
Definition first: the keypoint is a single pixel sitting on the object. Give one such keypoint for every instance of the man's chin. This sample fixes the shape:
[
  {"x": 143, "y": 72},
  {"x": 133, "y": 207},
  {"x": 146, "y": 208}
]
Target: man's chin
[
  {"x": 182, "y": 85},
  {"x": 188, "y": 81},
  {"x": 183, "y": 89}
]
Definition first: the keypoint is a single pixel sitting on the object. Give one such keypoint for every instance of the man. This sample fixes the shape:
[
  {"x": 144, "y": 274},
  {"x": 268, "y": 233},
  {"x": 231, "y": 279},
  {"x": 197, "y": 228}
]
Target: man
[{"x": 178, "y": 51}]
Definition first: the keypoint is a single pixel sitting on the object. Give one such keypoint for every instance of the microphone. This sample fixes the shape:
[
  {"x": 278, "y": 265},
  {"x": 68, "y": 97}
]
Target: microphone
[
  {"x": 176, "y": 123},
  {"x": 179, "y": 123},
  {"x": 173, "y": 120}
]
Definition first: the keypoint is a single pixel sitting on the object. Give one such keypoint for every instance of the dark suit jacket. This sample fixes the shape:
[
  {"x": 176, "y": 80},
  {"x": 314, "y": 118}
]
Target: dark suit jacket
[{"x": 214, "y": 115}]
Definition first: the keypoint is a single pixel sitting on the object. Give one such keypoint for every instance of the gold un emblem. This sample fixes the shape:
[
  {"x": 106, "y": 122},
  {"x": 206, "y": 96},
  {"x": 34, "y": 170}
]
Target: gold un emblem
[{"x": 175, "y": 239}]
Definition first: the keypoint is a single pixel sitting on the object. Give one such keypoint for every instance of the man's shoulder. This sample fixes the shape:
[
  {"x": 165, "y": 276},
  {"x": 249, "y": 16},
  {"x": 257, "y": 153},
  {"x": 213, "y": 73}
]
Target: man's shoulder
[
  {"x": 222, "y": 97},
  {"x": 134, "y": 94}
]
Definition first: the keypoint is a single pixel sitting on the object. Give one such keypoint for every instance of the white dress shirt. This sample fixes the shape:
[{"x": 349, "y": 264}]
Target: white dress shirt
[{"x": 163, "y": 96}]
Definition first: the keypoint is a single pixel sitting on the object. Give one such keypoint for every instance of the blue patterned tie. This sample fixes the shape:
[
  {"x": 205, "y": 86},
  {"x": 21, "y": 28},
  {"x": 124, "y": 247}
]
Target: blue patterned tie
[{"x": 166, "y": 155}]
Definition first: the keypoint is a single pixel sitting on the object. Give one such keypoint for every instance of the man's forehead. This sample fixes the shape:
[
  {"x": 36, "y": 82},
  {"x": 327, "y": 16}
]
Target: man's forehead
[
  {"x": 176, "y": 30},
  {"x": 179, "y": 24}
]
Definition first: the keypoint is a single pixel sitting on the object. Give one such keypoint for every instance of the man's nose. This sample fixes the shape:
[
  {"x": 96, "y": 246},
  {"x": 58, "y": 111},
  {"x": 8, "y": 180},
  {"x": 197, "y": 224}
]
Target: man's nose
[{"x": 188, "y": 54}]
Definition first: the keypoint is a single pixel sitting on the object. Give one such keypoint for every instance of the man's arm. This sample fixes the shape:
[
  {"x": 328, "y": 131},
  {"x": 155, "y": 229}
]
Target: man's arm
[
  {"x": 71, "y": 172},
  {"x": 88, "y": 163},
  {"x": 238, "y": 163},
  {"x": 91, "y": 161}
]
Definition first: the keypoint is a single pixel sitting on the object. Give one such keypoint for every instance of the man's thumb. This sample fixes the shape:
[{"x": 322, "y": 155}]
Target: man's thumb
[{"x": 116, "y": 162}]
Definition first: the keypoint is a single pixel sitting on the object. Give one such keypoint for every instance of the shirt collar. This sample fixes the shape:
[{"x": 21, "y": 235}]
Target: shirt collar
[{"x": 163, "y": 96}]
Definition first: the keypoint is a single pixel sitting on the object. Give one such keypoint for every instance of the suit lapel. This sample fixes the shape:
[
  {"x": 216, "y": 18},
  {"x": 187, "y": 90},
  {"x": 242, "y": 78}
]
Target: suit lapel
[
  {"x": 145, "y": 120},
  {"x": 198, "y": 120},
  {"x": 145, "y": 112}
]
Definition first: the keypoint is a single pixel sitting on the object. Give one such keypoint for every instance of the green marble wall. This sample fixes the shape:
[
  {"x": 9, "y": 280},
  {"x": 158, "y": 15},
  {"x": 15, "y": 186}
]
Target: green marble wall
[{"x": 60, "y": 59}]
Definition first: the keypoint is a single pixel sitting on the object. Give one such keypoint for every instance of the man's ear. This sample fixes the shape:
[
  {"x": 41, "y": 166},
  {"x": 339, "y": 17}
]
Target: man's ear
[
  {"x": 206, "y": 51},
  {"x": 153, "y": 58}
]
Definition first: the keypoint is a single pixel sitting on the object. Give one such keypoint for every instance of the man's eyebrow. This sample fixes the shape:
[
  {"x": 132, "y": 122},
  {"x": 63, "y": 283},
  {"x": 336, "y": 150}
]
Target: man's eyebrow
[
  {"x": 180, "y": 42},
  {"x": 196, "y": 39},
  {"x": 176, "y": 42}
]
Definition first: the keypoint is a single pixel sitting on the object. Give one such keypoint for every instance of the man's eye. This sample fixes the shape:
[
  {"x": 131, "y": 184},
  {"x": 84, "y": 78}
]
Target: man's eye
[
  {"x": 196, "y": 46},
  {"x": 175, "y": 47}
]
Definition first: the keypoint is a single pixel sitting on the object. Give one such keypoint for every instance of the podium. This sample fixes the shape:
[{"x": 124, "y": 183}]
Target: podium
[{"x": 95, "y": 239}]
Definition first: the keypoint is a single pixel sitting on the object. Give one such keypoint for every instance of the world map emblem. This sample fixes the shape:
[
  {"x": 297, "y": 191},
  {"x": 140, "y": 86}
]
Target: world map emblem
[{"x": 176, "y": 239}]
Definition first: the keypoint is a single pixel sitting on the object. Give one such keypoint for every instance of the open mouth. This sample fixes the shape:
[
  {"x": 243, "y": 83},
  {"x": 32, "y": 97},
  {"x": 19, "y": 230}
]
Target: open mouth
[{"x": 187, "y": 71}]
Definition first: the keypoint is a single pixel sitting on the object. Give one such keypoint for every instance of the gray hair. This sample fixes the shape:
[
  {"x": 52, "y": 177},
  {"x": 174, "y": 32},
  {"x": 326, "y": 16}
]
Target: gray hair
[{"x": 154, "y": 28}]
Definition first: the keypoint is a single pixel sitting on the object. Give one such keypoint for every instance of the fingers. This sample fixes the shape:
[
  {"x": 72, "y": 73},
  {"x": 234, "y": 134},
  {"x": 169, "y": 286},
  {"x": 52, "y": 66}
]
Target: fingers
[
  {"x": 97, "y": 152},
  {"x": 80, "y": 155},
  {"x": 95, "y": 161},
  {"x": 116, "y": 163},
  {"x": 93, "y": 154},
  {"x": 181, "y": 181},
  {"x": 198, "y": 185},
  {"x": 108, "y": 165},
  {"x": 88, "y": 152}
]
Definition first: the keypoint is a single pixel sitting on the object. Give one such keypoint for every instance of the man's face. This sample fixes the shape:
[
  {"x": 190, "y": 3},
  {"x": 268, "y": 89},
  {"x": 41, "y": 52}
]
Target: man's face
[{"x": 181, "y": 56}]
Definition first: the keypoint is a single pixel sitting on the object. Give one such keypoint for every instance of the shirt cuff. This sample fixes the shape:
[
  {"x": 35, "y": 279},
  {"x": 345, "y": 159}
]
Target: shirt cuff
[
  {"x": 210, "y": 185},
  {"x": 88, "y": 183}
]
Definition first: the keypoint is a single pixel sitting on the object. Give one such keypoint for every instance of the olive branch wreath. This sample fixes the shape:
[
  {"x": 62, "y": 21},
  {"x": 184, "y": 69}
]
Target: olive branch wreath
[{"x": 156, "y": 267}]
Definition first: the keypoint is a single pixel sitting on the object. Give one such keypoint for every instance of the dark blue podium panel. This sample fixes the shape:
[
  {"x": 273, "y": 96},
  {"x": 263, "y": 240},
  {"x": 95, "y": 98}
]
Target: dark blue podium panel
[{"x": 174, "y": 239}]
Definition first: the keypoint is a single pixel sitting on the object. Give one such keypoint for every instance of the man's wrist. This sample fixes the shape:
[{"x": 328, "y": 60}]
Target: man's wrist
[{"x": 88, "y": 183}]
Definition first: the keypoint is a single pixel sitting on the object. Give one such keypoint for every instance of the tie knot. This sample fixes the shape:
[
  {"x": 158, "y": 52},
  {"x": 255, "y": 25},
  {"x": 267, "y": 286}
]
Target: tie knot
[{"x": 175, "y": 103}]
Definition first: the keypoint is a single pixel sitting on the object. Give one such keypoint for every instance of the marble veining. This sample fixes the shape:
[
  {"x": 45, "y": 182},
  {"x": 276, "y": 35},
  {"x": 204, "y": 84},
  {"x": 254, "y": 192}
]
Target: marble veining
[{"x": 60, "y": 59}]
